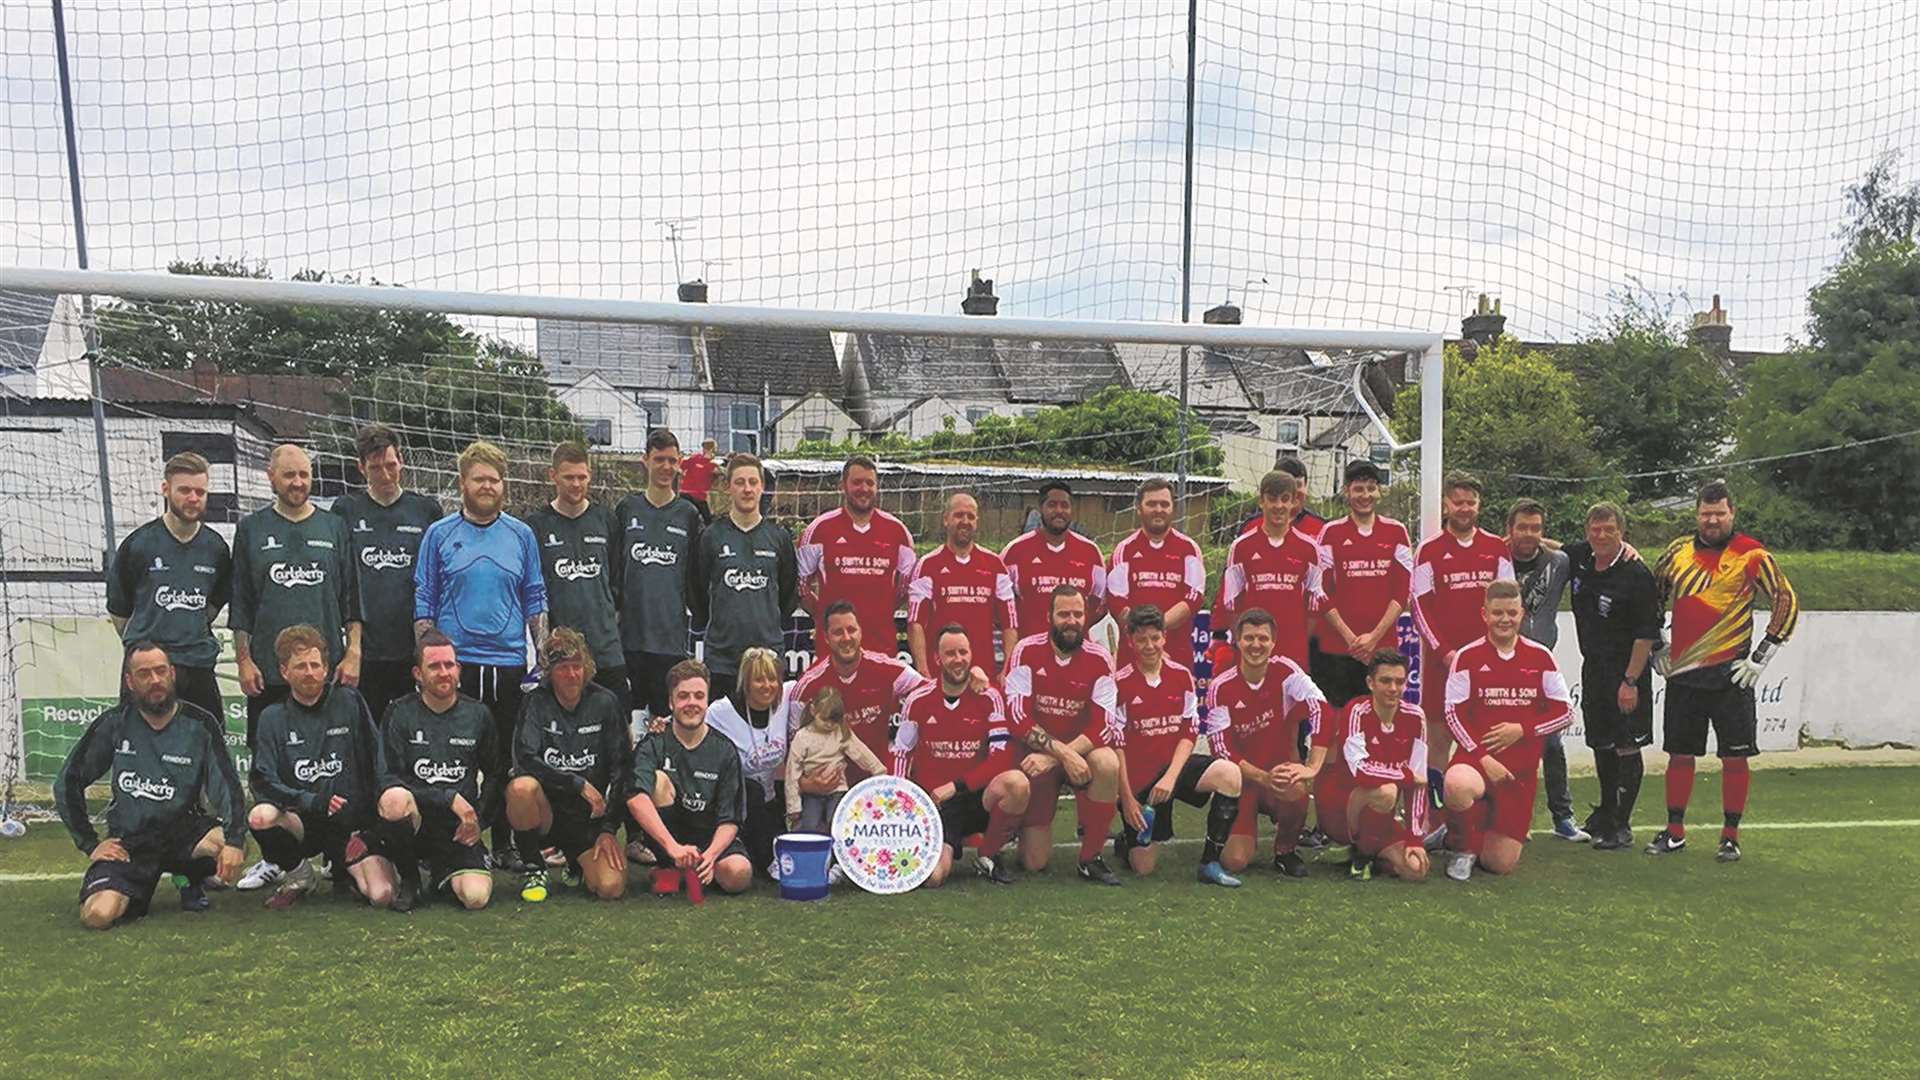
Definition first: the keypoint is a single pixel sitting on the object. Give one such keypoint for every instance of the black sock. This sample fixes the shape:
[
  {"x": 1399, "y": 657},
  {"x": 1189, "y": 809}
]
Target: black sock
[
  {"x": 1221, "y": 813},
  {"x": 278, "y": 847},
  {"x": 1630, "y": 769},
  {"x": 396, "y": 843},
  {"x": 502, "y": 839},
  {"x": 1607, "y": 765},
  {"x": 528, "y": 844}
]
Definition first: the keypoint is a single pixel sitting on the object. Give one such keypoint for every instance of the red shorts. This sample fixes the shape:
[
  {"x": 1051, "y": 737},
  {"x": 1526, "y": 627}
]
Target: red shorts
[
  {"x": 1511, "y": 802},
  {"x": 1259, "y": 800},
  {"x": 1331, "y": 791}
]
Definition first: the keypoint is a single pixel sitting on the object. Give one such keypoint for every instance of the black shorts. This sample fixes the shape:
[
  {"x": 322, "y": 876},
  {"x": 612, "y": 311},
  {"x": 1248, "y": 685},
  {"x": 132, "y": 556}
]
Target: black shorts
[
  {"x": 1339, "y": 676},
  {"x": 647, "y": 677},
  {"x": 150, "y": 856},
  {"x": 695, "y": 831},
  {"x": 1607, "y": 728},
  {"x": 1729, "y": 710},
  {"x": 1186, "y": 788},
  {"x": 961, "y": 817},
  {"x": 615, "y": 679},
  {"x": 444, "y": 855},
  {"x": 575, "y": 829}
]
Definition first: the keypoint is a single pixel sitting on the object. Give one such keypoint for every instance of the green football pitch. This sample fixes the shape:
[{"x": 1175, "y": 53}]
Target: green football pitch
[{"x": 1802, "y": 959}]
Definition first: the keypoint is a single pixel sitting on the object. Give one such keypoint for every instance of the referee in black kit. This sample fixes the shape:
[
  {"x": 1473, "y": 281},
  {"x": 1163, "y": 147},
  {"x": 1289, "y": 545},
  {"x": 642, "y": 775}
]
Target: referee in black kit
[{"x": 1616, "y": 611}]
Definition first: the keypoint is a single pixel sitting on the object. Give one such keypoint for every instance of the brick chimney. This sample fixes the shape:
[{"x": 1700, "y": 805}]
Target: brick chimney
[
  {"x": 693, "y": 292},
  {"x": 980, "y": 299},
  {"x": 1711, "y": 333},
  {"x": 1224, "y": 315},
  {"x": 1486, "y": 324}
]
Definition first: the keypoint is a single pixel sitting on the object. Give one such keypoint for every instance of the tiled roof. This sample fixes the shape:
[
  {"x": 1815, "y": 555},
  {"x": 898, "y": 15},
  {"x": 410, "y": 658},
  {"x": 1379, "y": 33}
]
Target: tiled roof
[
  {"x": 789, "y": 362},
  {"x": 289, "y": 403}
]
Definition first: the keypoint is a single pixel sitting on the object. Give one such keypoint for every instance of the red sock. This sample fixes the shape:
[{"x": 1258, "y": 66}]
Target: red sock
[
  {"x": 1679, "y": 792},
  {"x": 1463, "y": 828},
  {"x": 1735, "y": 779},
  {"x": 1288, "y": 818},
  {"x": 1000, "y": 827},
  {"x": 1095, "y": 819}
]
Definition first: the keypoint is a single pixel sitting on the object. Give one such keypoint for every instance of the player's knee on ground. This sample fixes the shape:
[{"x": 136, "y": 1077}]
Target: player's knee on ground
[
  {"x": 1221, "y": 778},
  {"x": 733, "y": 874},
  {"x": 1410, "y": 862},
  {"x": 602, "y": 879},
  {"x": 1237, "y": 854},
  {"x": 1144, "y": 859},
  {"x": 1036, "y": 848},
  {"x": 101, "y": 910},
  {"x": 1500, "y": 855},
  {"x": 263, "y": 816},
  {"x": 472, "y": 890},
  {"x": 396, "y": 804},
  {"x": 941, "y": 869},
  {"x": 376, "y": 886}
]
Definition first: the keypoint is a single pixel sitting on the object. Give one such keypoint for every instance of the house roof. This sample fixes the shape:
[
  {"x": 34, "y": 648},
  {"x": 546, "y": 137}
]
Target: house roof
[
  {"x": 1012, "y": 369},
  {"x": 829, "y": 402},
  {"x": 1212, "y": 381},
  {"x": 653, "y": 355},
  {"x": 823, "y": 466},
  {"x": 289, "y": 404},
  {"x": 231, "y": 412},
  {"x": 786, "y": 361}
]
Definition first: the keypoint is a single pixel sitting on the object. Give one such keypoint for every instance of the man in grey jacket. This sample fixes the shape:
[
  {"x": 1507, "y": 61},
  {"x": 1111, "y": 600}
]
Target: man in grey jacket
[{"x": 1543, "y": 575}]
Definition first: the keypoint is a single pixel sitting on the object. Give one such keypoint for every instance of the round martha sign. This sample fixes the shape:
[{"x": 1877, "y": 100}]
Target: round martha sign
[{"x": 887, "y": 835}]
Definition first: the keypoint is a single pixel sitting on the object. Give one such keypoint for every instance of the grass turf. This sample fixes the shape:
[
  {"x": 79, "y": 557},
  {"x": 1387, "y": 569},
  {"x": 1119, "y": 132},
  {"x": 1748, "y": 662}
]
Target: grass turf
[{"x": 1801, "y": 959}]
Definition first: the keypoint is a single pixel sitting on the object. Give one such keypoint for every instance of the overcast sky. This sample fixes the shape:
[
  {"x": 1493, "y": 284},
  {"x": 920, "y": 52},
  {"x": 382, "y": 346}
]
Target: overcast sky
[{"x": 1372, "y": 161}]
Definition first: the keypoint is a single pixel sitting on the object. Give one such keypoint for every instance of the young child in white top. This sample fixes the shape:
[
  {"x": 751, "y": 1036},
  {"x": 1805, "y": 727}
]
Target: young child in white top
[{"x": 824, "y": 738}]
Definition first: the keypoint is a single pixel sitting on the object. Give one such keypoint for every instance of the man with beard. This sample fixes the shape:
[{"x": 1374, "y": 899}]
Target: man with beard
[
  {"x": 170, "y": 578},
  {"x": 1052, "y": 555},
  {"x": 1711, "y": 580},
  {"x": 961, "y": 584},
  {"x": 687, "y": 794},
  {"x": 577, "y": 563},
  {"x": 858, "y": 553},
  {"x": 651, "y": 574},
  {"x": 1060, "y": 694},
  {"x": 387, "y": 523},
  {"x": 1255, "y": 713},
  {"x": 1451, "y": 571},
  {"x": 316, "y": 777},
  {"x": 292, "y": 566},
  {"x": 433, "y": 806},
  {"x": 479, "y": 582},
  {"x": 872, "y": 684},
  {"x": 744, "y": 578},
  {"x": 954, "y": 742},
  {"x": 1158, "y": 565},
  {"x": 166, "y": 758}
]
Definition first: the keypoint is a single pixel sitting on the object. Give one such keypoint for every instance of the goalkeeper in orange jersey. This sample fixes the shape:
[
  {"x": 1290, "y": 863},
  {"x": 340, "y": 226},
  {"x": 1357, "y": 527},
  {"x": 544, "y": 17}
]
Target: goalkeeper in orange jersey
[{"x": 1710, "y": 580}]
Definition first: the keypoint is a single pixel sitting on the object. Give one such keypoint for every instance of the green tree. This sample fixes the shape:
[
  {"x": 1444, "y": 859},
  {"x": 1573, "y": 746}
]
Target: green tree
[
  {"x": 1510, "y": 413},
  {"x": 1654, "y": 400},
  {"x": 498, "y": 393}
]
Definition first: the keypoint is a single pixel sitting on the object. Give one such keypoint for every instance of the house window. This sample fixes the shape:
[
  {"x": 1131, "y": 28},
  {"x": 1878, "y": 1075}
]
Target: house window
[
  {"x": 817, "y": 434},
  {"x": 215, "y": 446},
  {"x": 977, "y": 413},
  {"x": 656, "y": 410},
  {"x": 598, "y": 430},
  {"x": 1288, "y": 432},
  {"x": 1381, "y": 454},
  {"x": 745, "y": 428}
]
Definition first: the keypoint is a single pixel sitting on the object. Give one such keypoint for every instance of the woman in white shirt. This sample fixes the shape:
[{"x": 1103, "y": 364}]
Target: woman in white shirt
[{"x": 757, "y": 718}]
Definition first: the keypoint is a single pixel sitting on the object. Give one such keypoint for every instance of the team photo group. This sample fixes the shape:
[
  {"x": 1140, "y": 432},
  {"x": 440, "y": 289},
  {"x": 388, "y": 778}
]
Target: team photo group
[{"x": 432, "y": 697}]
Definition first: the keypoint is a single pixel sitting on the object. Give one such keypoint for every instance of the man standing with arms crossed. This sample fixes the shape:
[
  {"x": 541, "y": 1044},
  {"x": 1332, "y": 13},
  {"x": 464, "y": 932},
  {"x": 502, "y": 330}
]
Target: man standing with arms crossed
[
  {"x": 479, "y": 582},
  {"x": 1451, "y": 572},
  {"x": 577, "y": 562},
  {"x": 859, "y": 553},
  {"x": 1543, "y": 575},
  {"x": 960, "y": 583},
  {"x": 1616, "y": 611},
  {"x": 171, "y": 577},
  {"x": 387, "y": 524},
  {"x": 1711, "y": 580},
  {"x": 652, "y": 575},
  {"x": 292, "y": 566},
  {"x": 1159, "y": 565},
  {"x": 744, "y": 580},
  {"x": 1052, "y": 555}
]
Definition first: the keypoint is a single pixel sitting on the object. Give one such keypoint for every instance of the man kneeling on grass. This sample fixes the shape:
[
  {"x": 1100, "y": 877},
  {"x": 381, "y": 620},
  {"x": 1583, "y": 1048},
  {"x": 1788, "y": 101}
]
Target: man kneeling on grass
[
  {"x": 165, "y": 757},
  {"x": 438, "y": 742},
  {"x": 688, "y": 794},
  {"x": 315, "y": 776},
  {"x": 570, "y": 762},
  {"x": 1385, "y": 747}
]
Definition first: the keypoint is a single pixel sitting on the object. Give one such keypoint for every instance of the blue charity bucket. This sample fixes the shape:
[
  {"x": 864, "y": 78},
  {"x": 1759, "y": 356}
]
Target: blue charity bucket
[{"x": 803, "y": 859}]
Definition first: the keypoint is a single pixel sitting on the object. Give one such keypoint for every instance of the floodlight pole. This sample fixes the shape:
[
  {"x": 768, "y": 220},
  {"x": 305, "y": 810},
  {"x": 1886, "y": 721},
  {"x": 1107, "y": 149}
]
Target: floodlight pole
[
  {"x": 87, "y": 329},
  {"x": 1186, "y": 253}
]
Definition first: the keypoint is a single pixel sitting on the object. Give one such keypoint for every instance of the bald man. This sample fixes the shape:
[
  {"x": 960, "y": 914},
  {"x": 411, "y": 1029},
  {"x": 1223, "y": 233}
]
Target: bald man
[
  {"x": 291, "y": 567},
  {"x": 961, "y": 584}
]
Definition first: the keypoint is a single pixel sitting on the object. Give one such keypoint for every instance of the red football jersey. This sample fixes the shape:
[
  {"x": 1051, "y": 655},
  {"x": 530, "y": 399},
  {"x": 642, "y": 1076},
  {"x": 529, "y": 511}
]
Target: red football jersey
[
  {"x": 941, "y": 741},
  {"x": 1067, "y": 697},
  {"x": 1372, "y": 751},
  {"x": 1450, "y": 586},
  {"x": 1303, "y": 519},
  {"x": 696, "y": 475},
  {"x": 1283, "y": 577},
  {"x": 1150, "y": 717},
  {"x": 872, "y": 694},
  {"x": 1366, "y": 573},
  {"x": 1164, "y": 574},
  {"x": 1037, "y": 567},
  {"x": 1524, "y": 687},
  {"x": 974, "y": 592},
  {"x": 868, "y": 567},
  {"x": 1261, "y": 723}
]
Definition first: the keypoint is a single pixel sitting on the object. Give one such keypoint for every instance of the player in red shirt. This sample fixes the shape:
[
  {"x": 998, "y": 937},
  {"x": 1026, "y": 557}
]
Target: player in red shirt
[
  {"x": 955, "y": 741},
  {"x": 1155, "y": 720},
  {"x": 1504, "y": 697},
  {"x": 696, "y": 478},
  {"x": 1051, "y": 555},
  {"x": 1158, "y": 565},
  {"x": 1367, "y": 582},
  {"x": 1451, "y": 571},
  {"x": 960, "y": 583},
  {"x": 872, "y": 684},
  {"x": 858, "y": 553},
  {"x": 1304, "y": 518},
  {"x": 1254, "y": 716},
  {"x": 1384, "y": 751},
  {"x": 1060, "y": 693},
  {"x": 1278, "y": 570}
]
